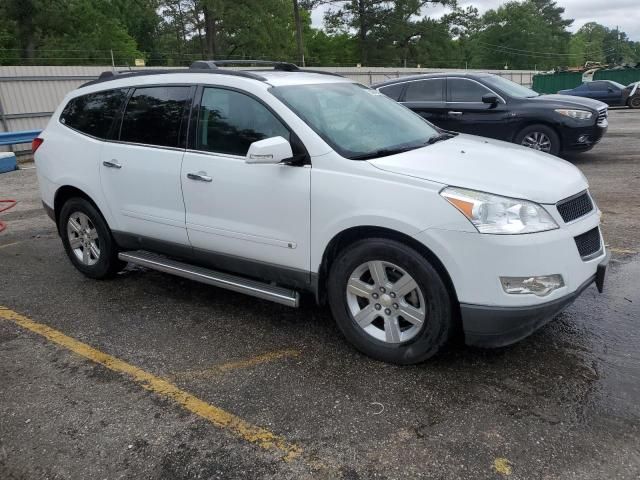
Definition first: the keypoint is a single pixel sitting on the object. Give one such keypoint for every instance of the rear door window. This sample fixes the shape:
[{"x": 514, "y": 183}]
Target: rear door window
[
  {"x": 393, "y": 91},
  {"x": 425, "y": 91},
  {"x": 94, "y": 113},
  {"x": 230, "y": 121},
  {"x": 597, "y": 86},
  {"x": 154, "y": 115},
  {"x": 465, "y": 91}
]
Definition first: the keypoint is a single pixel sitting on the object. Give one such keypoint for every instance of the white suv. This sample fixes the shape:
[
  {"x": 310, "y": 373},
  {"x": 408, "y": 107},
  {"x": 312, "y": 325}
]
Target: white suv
[{"x": 273, "y": 182}]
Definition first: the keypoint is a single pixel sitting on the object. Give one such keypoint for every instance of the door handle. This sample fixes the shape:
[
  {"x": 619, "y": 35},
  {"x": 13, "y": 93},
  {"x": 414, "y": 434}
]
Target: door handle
[
  {"x": 111, "y": 164},
  {"x": 455, "y": 113},
  {"x": 200, "y": 176}
]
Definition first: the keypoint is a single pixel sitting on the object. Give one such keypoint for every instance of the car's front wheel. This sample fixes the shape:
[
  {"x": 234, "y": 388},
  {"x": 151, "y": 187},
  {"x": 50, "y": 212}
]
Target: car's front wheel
[
  {"x": 539, "y": 137},
  {"x": 88, "y": 240},
  {"x": 634, "y": 102},
  {"x": 390, "y": 302}
]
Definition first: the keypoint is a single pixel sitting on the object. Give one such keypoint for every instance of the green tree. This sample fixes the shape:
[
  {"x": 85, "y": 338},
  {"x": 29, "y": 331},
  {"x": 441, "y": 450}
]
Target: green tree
[
  {"x": 521, "y": 35},
  {"x": 385, "y": 30}
]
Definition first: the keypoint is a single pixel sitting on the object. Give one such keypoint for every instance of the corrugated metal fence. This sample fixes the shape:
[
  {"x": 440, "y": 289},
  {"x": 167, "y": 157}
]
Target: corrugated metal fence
[{"x": 29, "y": 95}]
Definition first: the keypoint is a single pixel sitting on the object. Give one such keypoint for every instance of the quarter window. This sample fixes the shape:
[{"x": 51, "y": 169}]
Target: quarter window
[
  {"x": 425, "y": 91},
  {"x": 93, "y": 114},
  {"x": 230, "y": 121},
  {"x": 154, "y": 116},
  {"x": 465, "y": 91}
]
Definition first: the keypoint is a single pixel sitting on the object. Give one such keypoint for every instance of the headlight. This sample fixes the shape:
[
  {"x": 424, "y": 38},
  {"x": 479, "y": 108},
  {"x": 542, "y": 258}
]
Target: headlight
[
  {"x": 499, "y": 215},
  {"x": 576, "y": 114}
]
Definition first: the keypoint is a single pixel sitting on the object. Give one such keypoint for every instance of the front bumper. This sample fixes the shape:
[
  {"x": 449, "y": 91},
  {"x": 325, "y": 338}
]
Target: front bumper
[
  {"x": 582, "y": 139},
  {"x": 490, "y": 326}
]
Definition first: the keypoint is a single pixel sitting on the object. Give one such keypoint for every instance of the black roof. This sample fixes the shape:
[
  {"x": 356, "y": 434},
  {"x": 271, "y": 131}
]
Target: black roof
[
  {"x": 429, "y": 75},
  {"x": 211, "y": 67}
]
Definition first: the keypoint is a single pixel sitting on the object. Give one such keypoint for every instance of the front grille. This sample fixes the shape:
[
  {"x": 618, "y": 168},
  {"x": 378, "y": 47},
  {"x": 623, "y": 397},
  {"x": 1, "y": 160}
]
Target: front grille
[
  {"x": 603, "y": 117},
  {"x": 588, "y": 243},
  {"x": 574, "y": 207}
]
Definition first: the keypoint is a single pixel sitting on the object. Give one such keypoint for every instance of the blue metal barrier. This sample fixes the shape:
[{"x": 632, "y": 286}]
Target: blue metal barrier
[{"x": 11, "y": 138}]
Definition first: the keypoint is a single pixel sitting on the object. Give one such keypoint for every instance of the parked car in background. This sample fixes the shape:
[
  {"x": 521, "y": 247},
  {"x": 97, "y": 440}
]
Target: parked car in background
[
  {"x": 612, "y": 93},
  {"x": 492, "y": 106},
  {"x": 275, "y": 182}
]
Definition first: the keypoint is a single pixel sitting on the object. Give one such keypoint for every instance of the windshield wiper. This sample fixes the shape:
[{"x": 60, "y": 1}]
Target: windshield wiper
[
  {"x": 438, "y": 138},
  {"x": 383, "y": 152}
]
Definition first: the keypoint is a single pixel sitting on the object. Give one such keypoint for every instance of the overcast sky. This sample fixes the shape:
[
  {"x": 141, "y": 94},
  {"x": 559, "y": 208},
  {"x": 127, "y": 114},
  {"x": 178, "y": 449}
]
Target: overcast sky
[{"x": 623, "y": 13}]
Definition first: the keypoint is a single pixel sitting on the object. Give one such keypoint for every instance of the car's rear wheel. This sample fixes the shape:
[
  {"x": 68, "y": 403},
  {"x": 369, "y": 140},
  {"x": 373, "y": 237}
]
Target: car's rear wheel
[
  {"x": 390, "y": 302},
  {"x": 634, "y": 102},
  {"x": 539, "y": 137},
  {"x": 88, "y": 240}
]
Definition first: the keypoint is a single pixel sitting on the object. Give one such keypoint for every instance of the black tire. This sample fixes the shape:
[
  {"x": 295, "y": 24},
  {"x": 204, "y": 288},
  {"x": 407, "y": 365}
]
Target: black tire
[
  {"x": 634, "y": 102},
  {"x": 107, "y": 264},
  {"x": 438, "y": 326},
  {"x": 532, "y": 130}
]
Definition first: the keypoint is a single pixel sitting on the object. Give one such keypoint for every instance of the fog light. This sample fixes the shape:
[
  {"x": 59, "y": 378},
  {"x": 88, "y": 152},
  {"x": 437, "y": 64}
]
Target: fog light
[
  {"x": 540, "y": 286},
  {"x": 583, "y": 138}
]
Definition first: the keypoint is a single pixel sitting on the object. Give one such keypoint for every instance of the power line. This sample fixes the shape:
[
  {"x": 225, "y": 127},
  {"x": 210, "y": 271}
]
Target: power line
[{"x": 531, "y": 53}]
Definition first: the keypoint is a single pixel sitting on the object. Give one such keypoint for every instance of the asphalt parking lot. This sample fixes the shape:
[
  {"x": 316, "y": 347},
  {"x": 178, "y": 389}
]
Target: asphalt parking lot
[{"x": 152, "y": 376}]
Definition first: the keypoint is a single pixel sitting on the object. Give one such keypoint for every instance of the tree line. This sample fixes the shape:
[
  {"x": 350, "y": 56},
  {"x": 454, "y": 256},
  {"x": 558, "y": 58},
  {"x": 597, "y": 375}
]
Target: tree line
[{"x": 522, "y": 34}]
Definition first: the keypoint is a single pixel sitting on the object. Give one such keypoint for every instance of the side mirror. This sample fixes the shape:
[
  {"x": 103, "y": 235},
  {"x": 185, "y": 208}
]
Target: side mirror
[
  {"x": 490, "y": 99},
  {"x": 269, "y": 151}
]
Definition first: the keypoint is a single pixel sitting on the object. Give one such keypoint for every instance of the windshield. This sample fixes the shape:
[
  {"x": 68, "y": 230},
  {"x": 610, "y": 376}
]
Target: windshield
[
  {"x": 356, "y": 121},
  {"x": 619, "y": 85},
  {"x": 510, "y": 88}
]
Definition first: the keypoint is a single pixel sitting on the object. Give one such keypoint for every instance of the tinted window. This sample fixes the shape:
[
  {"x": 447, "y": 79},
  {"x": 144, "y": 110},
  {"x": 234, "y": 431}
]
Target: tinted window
[
  {"x": 393, "y": 91},
  {"x": 597, "y": 86},
  {"x": 424, "y": 91},
  {"x": 230, "y": 121},
  {"x": 154, "y": 115},
  {"x": 462, "y": 90},
  {"x": 93, "y": 113}
]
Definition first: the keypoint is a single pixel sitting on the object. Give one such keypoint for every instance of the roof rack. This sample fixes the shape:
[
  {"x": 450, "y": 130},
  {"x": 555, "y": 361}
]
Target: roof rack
[
  {"x": 111, "y": 75},
  {"x": 210, "y": 66},
  {"x": 213, "y": 64},
  {"x": 277, "y": 65}
]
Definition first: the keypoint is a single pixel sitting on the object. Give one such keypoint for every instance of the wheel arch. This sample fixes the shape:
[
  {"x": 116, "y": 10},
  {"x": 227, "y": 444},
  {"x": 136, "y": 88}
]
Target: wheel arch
[
  {"x": 66, "y": 192},
  {"x": 349, "y": 236}
]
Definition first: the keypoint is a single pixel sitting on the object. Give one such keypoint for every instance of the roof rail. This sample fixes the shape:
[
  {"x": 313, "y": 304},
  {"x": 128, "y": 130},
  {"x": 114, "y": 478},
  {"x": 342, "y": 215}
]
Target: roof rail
[
  {"x": 213, "y": 64},
  {"x": 279, "y": 66},
  {"x": 111, "y": 75}
]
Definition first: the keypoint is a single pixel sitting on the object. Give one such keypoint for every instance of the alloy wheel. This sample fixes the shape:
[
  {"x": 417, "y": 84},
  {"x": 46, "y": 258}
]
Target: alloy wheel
[
  {"x": 83, "y": 238},
  {"x": 538, "y": 141},
  {"x": 386, "y": 302}
]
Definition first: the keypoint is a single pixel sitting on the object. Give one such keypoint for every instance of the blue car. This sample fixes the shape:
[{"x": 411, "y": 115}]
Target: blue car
[{"x": 607, "y": 91}]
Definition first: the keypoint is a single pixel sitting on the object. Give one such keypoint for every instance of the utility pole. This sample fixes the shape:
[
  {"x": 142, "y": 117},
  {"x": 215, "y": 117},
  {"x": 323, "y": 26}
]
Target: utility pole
[{"x": 298, "y": 22}]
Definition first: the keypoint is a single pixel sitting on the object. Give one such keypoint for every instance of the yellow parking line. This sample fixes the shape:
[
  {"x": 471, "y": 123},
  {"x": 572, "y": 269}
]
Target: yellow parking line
[
  {"x": 9, "y": 244},
  {"x": 502, "y": 466},
  {"x": 217, "y": 416},
  {"x": 249, "y": 362}
]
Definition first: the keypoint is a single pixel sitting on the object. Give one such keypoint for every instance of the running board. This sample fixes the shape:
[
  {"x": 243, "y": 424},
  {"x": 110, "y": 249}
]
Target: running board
[{"x": 284, "y": 296}]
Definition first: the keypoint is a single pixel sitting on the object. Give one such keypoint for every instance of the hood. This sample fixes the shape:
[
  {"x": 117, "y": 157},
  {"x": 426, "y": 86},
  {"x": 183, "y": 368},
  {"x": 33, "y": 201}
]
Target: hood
[
  {"x": 490, "y": 166},
  {"x": 570, "y": 101}
]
